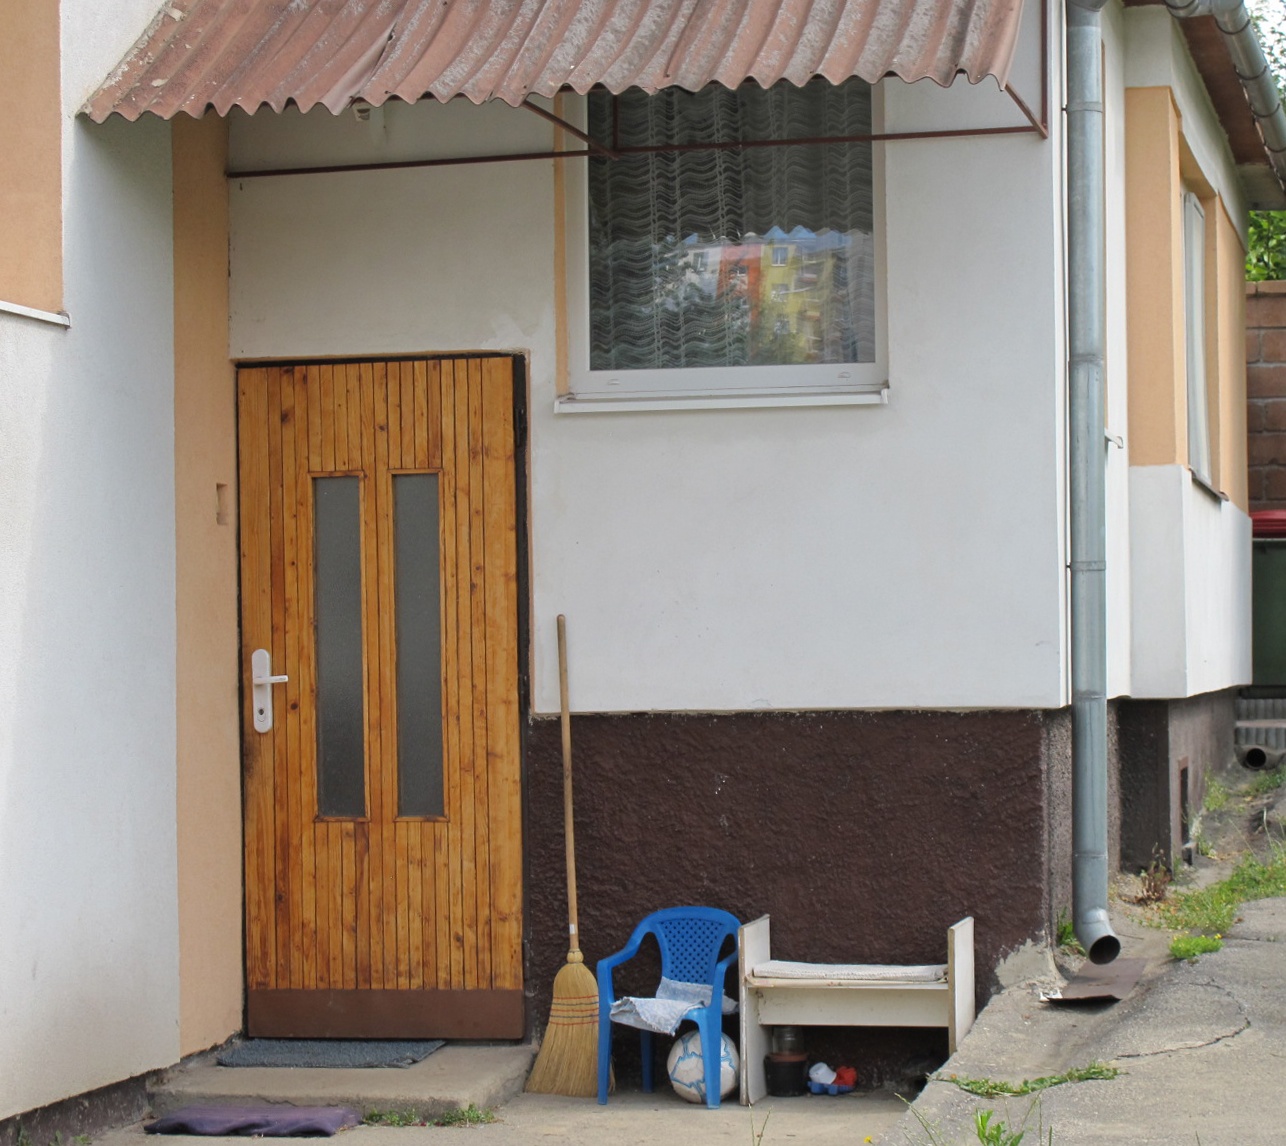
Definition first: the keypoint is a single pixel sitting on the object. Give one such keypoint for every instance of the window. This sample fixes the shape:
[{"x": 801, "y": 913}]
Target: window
[
  {"x": 1194, "y": 291},
  {"x": 727, "y": 271}
]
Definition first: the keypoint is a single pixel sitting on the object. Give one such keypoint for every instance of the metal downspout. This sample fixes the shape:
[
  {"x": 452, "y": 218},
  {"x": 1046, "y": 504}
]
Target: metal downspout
[
  {"x": 1086, "y": 322},
  {"x": 1251, "y": 65}
]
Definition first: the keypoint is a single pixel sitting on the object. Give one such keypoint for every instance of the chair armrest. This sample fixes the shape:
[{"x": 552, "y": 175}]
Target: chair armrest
[
  {"x": 721, "y": 970},
  {"x": 607, "y": 965}
]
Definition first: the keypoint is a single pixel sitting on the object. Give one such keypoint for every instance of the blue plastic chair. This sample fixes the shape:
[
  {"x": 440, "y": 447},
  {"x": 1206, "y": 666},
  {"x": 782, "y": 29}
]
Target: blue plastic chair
[{"x": 690, "y": 939}]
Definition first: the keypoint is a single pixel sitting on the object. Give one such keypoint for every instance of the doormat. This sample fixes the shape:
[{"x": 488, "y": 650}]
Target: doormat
[
  {"x": 333, "y": 1053},
  {"x": 276, "y": 1121}
]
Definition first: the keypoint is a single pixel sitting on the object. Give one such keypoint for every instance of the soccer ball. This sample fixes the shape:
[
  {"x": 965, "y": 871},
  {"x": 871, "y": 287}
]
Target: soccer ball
[{"x": 687, "y": 1067}]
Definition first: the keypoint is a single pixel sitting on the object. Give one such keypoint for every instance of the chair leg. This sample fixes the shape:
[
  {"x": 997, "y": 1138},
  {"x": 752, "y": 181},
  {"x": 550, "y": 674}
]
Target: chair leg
[
  {"x": 604, "y": 1054},
  {"x": 711, "y": 1049},
  {"x": 645, "y": 1042}
]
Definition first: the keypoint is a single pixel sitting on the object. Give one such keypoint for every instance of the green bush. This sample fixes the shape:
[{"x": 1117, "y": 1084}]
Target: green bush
[{"x": 1266, "y": 246}]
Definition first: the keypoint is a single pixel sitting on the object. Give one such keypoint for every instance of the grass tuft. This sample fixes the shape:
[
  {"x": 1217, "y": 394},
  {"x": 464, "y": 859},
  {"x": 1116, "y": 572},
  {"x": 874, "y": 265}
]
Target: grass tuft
[
  {"x": 1213, "y": 909},
  {"x": 470, "y": 1115},
  {"x": 392, "y": 1118},
  {"x": 998, "y": 1088},
  {"x": 1066, "y": 934},
  {"x": 467, "y": 1116},
  {"x": 1190, "y": 946},
  {"x": 1262, "y": 783},
  {"x": 1217, "y": 795}
]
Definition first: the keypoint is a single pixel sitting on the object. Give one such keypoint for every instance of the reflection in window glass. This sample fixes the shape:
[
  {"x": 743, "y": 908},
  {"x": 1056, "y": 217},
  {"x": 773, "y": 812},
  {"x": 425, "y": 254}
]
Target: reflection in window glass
[
  {"x": 758, "y": 256},
  {"x": 419, "y": 658},
  {"x": 341, "y": 750}
]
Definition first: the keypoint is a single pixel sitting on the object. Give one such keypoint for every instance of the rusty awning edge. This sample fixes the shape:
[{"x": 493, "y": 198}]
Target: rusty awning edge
[{"x": 198, "y": 55}]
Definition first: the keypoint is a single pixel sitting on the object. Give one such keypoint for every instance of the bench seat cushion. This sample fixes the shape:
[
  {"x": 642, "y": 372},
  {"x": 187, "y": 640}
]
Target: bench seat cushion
[{"x": 851, "y": 972}]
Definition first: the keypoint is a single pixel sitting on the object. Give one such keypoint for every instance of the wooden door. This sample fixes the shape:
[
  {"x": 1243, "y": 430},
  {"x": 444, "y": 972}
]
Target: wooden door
[{"x": 383, "y": 856}]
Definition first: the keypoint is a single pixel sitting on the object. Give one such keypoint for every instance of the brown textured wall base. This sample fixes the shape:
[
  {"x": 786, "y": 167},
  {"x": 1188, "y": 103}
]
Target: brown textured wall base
[
  {"x": 864, "y": 835},
  {"x": 1168, "y": 748}
]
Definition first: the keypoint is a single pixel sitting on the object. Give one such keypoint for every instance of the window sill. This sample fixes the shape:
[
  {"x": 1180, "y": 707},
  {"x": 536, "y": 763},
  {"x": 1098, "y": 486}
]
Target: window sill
[
  {"x": 52, "y": 317},
  {"x": 1202, "y": 484},
  {"x": 729, "y": 400}
]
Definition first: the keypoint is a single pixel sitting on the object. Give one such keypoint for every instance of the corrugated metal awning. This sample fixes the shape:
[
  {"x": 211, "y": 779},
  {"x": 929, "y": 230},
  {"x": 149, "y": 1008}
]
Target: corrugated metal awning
[{"x": 220, "y": 54}]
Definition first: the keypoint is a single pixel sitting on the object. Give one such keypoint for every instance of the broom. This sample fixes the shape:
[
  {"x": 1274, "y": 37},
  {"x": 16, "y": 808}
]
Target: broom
[{"x": 568, "y": 1059}]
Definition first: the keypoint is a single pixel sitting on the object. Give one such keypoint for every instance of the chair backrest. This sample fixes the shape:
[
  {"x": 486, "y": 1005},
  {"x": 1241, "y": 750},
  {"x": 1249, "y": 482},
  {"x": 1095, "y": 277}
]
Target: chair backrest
[{"x": 690, "y": 939}]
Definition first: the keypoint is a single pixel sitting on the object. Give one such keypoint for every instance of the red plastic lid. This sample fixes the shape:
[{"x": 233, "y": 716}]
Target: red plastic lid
[{"x": 1269, "y": 522}]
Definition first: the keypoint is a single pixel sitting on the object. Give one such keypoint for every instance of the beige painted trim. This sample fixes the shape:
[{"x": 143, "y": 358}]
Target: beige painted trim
[
  {"x": 209, "y": 750},
  {"x": 1154, "y": 279},
  {"x": 1228, "y": 402},
  {"x": 31, "y": 201},
  {"x": 1159, "y": 167}
]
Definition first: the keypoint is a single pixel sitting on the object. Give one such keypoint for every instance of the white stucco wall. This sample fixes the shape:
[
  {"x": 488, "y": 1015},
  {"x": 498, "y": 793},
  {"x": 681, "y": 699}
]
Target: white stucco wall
[
  {"x": 1116, "y": 448},
  {"x": 1191, "y": 586},
  {"x": 88, "y": 958},
  {"x": 899, "y": 555}
]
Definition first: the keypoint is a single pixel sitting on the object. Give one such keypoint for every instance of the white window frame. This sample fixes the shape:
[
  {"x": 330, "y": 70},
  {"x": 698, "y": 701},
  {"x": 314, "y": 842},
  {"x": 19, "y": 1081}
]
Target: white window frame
[
  {"x": 1194, "y": 314},
  {"x": 711, "y": 387}
]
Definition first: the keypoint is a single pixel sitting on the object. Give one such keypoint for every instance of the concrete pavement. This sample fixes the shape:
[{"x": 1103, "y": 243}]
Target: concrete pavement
[
  {"x": 491, "y": 1077},
  {"x": 1201, "y": 1047},
  {"x": 629, "y": 1119}
]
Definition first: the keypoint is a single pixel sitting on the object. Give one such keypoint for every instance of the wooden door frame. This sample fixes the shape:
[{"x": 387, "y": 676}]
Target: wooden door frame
[{"x": 466, "y": 1012}]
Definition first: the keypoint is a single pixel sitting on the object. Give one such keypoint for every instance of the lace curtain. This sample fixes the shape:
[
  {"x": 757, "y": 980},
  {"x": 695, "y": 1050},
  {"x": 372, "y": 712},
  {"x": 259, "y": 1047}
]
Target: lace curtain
[{"x": 733, "y": 257}]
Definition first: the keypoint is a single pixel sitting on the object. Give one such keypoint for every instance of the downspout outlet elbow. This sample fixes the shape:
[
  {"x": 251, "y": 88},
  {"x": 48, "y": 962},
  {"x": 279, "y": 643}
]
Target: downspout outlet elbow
[{"x": 1095, "y": 933}]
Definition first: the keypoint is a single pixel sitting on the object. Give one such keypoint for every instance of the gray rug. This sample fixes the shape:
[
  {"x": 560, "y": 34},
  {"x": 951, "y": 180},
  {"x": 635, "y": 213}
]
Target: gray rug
[{"x": 329, "y": 1052}]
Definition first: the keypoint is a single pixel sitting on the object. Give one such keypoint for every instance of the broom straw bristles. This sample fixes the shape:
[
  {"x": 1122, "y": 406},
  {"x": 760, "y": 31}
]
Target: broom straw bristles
[{"x": 568, "y": 1060}]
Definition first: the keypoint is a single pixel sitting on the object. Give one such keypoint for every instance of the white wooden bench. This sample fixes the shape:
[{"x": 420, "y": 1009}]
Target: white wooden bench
[{"x": 844, "y": 995}]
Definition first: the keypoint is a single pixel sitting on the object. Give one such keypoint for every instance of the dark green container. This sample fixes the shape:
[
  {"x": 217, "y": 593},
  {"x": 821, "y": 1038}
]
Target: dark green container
[{"x": 1268, "y": 569}]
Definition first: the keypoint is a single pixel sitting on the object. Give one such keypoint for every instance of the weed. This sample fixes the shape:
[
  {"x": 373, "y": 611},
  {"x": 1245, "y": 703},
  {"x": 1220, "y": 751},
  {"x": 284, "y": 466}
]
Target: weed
[
  {"x": 1263, "y": 783},
  {"x": 1066, "y": 934},
  {"x": 467, "y": 1116},
  {"x": 1154, "y": 880},
  {"x": 994, "y": 1133},
  {"x": 24, "y": 1139},
  {"x": 393, "y": 1118},
  {"x": 998, "y": 1088},
  {"x": 987, "y": 1129},
  {"x": 1201, "y": 843},
  {"x": 1216, "y": 795},
  {"x": 756, "y": 1139},
  {"x": 1190, "y": 946},
  {"x": 1213, "y": 909}
]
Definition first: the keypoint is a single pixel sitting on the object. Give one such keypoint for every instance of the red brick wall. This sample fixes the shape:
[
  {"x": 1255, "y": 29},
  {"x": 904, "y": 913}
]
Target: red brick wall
[{"x": 1266, "y": 393}]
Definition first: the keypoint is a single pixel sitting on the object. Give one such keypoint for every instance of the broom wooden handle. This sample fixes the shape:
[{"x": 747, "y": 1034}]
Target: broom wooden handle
[{"x": 569, "y": 833}]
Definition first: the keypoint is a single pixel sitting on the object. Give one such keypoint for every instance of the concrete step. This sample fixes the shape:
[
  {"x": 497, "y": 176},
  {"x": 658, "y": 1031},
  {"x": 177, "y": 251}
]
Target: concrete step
[{"x": 449, "y": 1079}]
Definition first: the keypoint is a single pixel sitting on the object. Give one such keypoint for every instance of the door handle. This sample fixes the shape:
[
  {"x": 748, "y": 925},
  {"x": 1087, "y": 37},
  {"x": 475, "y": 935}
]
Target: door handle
[{"x": 261, "y": 682}]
